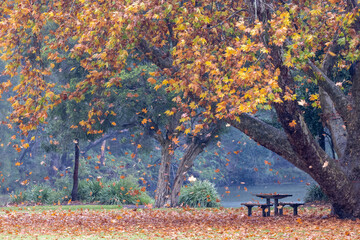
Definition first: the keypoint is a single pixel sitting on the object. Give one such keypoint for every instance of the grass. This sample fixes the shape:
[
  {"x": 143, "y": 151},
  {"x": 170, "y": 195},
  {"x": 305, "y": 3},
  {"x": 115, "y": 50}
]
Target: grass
[{"x": 41, "y": 208}]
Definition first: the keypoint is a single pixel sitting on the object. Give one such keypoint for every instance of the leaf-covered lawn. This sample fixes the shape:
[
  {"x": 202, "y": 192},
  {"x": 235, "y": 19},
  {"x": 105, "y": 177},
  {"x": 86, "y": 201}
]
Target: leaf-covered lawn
[{"x": 83, "y": 223}]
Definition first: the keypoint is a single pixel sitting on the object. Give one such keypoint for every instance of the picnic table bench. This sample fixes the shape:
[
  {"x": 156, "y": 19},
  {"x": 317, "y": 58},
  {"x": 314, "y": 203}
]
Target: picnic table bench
[
  {"x": 263, "y": 206},
  {"x": 276, "y": 198},
  {"x": 291, "y": 204}
]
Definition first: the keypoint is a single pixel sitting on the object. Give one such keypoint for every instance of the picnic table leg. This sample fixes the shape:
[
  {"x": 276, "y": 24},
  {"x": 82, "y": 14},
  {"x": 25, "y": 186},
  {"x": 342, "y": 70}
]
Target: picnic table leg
[
  {"x": 264, "y": 214},
  {"x": 276, "y": 206},
  {"x": 249, "y": 210},
  {"x": 281, "y": 211},
  {"x": 295, "y": 210},
  {"x": 268, "y": 202}
]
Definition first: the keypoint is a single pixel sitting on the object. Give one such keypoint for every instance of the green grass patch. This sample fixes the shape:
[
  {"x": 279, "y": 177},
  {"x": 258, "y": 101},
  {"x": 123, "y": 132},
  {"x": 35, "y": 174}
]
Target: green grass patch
[{"x": 59, "y": 207}]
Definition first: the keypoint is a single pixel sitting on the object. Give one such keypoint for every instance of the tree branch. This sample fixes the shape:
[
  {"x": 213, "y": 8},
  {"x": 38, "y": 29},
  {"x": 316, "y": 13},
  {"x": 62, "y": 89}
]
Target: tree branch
[
  {"x": 269, "y": 137},
  {"x": 105, "y": 137},
  {"x": 159, "y": 57},
  {"x": 341, "y": 103}
]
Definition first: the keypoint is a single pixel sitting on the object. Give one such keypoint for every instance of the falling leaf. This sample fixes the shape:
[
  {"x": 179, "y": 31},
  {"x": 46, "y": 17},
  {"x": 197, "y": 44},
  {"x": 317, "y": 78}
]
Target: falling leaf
[
  {"x": 326, "y": 163},
  {"x": 292, "y": 123},
  {"x": 175, "y": 140},
  {"x": 151, "y": 80}
]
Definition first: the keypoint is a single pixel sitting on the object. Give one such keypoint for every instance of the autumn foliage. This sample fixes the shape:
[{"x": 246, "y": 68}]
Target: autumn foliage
[
  {"x": 223, "y": 59},
  {"x": 183, "y": 223}
]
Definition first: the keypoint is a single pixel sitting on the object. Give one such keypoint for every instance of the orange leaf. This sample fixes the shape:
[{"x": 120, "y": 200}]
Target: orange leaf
[
  {"x": 46, "y": 178},
  {"x": 217, "y": 170},
  {"x": 175, "y": 140},
  {"x": 293, "y": 123},
  {"x": 152, "y": 80}
]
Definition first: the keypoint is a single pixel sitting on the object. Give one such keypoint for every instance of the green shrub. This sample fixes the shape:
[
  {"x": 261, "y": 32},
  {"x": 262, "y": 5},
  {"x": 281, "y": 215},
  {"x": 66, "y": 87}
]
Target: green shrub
[
  {"x": 19, "y": 197},
  {"x": 89, "y": 191},
  {"x": 200, "y": 194},
  {"x": 124, "y": 191},
  {"x": 59, "y": 196},
  {"x": 40, "y": 194},
  {"x": 314, "y": 193}
]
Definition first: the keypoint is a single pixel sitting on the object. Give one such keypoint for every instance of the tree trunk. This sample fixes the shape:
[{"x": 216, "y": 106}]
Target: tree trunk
[
  {"x": 193, "y": 150},
  {"x": 74, "y": 192},
  {"x": 163, "y": 185}
]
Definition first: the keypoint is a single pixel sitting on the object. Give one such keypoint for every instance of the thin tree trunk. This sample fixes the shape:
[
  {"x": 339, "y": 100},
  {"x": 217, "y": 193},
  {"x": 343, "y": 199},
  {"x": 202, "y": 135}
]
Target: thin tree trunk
[
  {"x": 193, "y": 150},
  {"x": 163, "y": 185},
  {"x": 74, "y": 192}
]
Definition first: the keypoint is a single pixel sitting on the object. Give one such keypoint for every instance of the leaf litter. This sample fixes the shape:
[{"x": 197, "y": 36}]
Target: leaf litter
[{"x": 181, "y": 223}]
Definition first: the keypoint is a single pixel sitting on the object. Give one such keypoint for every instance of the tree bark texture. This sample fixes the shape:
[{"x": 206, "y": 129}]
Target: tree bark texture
[
  {"x": 74, "y": 192},
  {"x": 186, "y": 163},
  {"x": 163, "y": 188}
]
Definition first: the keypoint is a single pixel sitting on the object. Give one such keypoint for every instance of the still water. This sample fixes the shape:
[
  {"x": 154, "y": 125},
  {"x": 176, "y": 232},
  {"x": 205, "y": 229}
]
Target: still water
[{"x": 238, "y": 194}]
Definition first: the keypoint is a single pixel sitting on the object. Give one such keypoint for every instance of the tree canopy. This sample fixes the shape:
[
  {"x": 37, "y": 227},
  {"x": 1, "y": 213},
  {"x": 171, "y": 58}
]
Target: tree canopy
[{"x": 227, "y": 59}]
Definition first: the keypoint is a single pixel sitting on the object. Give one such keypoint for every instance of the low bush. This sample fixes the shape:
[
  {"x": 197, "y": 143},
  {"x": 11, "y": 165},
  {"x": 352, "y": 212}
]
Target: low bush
[
  {"x": 200, "y": 194},
  {"x": 19, "y": 197},
  {"x": 123, "y": 191},
  {"x": 314, "y": 193}
]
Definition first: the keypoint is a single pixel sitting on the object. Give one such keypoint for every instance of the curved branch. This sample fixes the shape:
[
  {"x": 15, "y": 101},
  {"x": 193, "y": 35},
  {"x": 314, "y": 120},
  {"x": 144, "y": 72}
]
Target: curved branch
[
  {"x": 341, "y": 103},
  {"x": 269, "y": 137}
]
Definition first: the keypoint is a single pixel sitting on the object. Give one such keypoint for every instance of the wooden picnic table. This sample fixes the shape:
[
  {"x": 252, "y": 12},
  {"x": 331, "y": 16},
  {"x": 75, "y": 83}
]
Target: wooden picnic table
[{"x": 276, "y": 197}]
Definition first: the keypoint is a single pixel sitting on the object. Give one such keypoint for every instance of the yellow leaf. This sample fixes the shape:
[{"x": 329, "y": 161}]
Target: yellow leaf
[{"x": 113, "y": 123}]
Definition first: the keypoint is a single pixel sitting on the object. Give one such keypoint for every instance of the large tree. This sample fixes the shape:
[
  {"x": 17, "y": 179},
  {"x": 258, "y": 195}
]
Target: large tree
[{"x": 230, "y": 58}]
